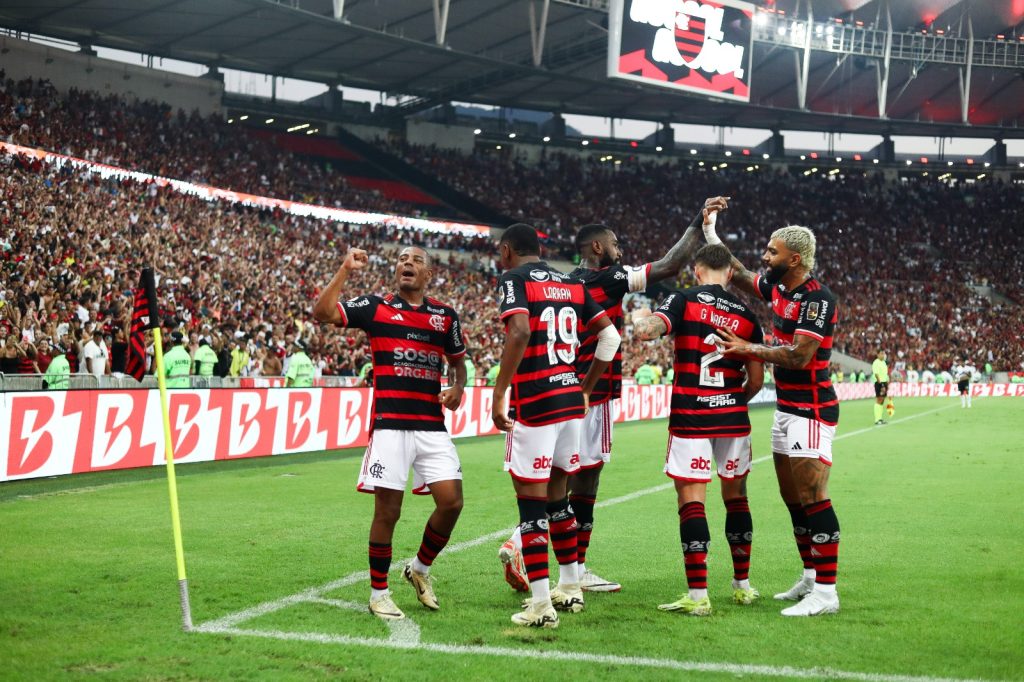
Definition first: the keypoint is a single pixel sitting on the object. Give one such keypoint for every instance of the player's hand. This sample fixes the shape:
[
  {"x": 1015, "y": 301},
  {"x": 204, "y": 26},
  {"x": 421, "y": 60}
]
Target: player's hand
[
  {"x": 717, "y": 204},
  {"x": 451, "y": 397},
  {"x": 499, "y": 414},
  {"x": 641, "y": 314},
  {"x": 355, "y": 259},
  {"x": 731, "y": 343},
  {"x": 710, "y": 216},
  {"x": 586, "y": 403}
]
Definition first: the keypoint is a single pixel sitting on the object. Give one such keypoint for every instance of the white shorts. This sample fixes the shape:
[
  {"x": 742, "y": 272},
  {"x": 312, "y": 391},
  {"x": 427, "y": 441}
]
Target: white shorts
[
  {"x": 596, "y": 436},
  {"x": 795, "y": 436},
  {"x": 531, "y": 452},
  {"x": 689, "y": 459},
  {"x": 391, "y": 452}
]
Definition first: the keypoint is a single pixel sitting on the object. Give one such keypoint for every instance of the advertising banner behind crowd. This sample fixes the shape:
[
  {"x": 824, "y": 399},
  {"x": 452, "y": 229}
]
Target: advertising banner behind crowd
[
  {"x": 210, "y": 193},
  {"x": 64, "y": 432},
  {"x": 701, "y": 46}
]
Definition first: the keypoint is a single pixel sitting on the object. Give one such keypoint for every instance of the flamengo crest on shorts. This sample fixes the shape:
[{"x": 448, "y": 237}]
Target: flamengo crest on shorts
[{"x": 408, "y": 344}]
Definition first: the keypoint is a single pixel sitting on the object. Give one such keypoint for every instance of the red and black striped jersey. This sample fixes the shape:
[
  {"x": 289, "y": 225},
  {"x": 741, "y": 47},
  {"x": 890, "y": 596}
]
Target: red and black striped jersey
[
  {"x": 546, "y": 388},
  {"x": 408, "y": 344},
  {"x": 707, "y": 393},
  {"x": 608, "y": 286},
  {"x": 810, "y": 309}
]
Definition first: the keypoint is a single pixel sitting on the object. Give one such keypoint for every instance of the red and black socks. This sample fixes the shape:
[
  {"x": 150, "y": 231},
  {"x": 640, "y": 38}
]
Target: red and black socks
[
  {"x": 739, "y": 533},
  {"x": 695, "y": 538},
  {"x": 562, "y": 522},
  {"x": 533, "y": 526},
  {"x": 431, "y": 545},
  {"x": 823, "y": 525},
  {"x": 380, "y": 564},
  {"x": 583, "y": 506},
  {"x": 802, "y": 536}
]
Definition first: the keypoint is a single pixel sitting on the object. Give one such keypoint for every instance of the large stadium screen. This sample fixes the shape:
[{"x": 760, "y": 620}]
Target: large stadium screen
[{"x": 694, "y": 45}]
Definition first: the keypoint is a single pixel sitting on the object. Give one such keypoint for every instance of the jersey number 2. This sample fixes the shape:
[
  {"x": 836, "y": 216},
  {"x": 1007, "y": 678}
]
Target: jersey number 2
[
  {"x": 706, "y": 377},
  {"x": 561, "y": 329}
]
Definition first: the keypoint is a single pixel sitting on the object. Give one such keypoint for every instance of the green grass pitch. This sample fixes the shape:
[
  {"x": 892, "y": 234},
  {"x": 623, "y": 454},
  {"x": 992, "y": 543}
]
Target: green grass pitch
[{"x": 930, "y": 569}]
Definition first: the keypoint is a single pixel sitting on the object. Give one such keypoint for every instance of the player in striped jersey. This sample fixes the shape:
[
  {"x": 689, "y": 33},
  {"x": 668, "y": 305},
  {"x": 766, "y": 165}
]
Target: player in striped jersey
[
  {"x": 709, "y": 425},
  {"x": 543, "y": 311},
  {"x": 608, "y": 282},
  {"x": 804, "y": 319},
  {"x": 410, "y": 334}
]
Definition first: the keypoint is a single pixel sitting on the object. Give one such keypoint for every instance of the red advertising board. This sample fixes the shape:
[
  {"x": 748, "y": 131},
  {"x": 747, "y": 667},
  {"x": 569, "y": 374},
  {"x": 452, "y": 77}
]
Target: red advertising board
[{"x": 68, "y": 432}]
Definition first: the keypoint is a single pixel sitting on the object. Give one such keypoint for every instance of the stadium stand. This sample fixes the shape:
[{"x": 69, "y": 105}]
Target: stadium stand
[
  {"x": 154, "y": 138},
  {"x": 906, "y": 257}
]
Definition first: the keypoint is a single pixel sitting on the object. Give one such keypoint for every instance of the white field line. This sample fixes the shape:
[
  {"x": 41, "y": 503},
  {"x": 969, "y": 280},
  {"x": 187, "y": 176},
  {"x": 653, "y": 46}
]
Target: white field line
[
  {"x": 408, "y": 638},
  {"x": 576, "y": 656},
  {"x": 315, "y": 594}
]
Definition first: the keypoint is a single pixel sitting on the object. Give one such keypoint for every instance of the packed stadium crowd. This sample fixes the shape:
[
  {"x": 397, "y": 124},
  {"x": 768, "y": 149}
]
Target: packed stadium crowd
[
  {"x": 898, "y": 254},
  {"x": 155, "y": 138},
  {"x": 73, "y": 246}
]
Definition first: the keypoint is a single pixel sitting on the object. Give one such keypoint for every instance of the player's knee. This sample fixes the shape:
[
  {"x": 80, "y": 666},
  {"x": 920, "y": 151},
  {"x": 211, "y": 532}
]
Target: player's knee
[
  {"x": 450, "y": 506},
  {"x": 585, "y": 481},
  {"x": 387, "y": 514}
]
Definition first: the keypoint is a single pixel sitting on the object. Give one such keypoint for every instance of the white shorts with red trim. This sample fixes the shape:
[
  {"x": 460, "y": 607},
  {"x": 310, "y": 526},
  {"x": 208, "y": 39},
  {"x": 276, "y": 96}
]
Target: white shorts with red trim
[
  {"x": 596, "y": 436},
  {"x": 795, "y": 436},
  {"x": 391, "y": 452},
  {"x": 531, "y": 452},
  {"x": 690, "y": 459}
]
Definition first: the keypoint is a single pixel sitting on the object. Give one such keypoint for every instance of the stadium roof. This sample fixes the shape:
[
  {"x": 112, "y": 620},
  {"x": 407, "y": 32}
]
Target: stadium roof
[{"x": 484, "y": 53}]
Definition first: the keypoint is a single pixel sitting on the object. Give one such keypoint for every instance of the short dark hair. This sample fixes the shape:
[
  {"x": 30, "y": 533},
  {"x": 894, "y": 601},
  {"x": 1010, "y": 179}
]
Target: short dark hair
[
  {"x": 426, "y": 253},
  {"x": 522, "y": 238},
  {"x": 714, "y": 256},
  {"x": 588, "y": 233}
]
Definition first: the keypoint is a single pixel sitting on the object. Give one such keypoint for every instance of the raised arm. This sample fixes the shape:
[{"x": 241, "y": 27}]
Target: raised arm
[
  {"x": 682, "y": 251},
  {"x": 742, "y": 278},
  {"x": 648, "y": 326},
  {"x": 326, "y": 308}
]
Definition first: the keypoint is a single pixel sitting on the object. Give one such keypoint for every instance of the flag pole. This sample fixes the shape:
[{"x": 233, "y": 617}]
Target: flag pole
[{"x": 172, "y": 483}]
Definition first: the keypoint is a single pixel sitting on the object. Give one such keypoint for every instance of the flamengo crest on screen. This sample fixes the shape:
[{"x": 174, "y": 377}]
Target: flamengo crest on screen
[{"x": 701, "y": 46}]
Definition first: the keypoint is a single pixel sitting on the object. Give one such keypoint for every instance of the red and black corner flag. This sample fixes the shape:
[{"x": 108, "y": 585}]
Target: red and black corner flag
[{"x": 145, "y": 316}]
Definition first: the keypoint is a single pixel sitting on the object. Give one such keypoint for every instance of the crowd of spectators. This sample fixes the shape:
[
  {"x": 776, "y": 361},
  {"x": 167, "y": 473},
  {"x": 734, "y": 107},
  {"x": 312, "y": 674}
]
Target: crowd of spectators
[
  {"x": 155, "y": 138},
  {"x": 904, "y": 256},
  {"x": 72, "y": 247},
  {"x": 899, "y": 254}
]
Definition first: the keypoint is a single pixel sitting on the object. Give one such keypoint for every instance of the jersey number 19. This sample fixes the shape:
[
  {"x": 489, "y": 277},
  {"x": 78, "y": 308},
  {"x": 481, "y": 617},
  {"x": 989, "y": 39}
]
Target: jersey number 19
[{"x": 561, "y": 329}]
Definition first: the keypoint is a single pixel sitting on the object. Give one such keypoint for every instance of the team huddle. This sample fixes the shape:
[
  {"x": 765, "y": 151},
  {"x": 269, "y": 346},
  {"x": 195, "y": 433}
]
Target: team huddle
[{"x": 561, "y": 366}]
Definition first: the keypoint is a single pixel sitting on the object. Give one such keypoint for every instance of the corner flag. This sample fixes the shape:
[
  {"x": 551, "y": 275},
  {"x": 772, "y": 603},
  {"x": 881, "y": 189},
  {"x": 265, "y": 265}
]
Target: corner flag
[{"x": 146, "y": 315}]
